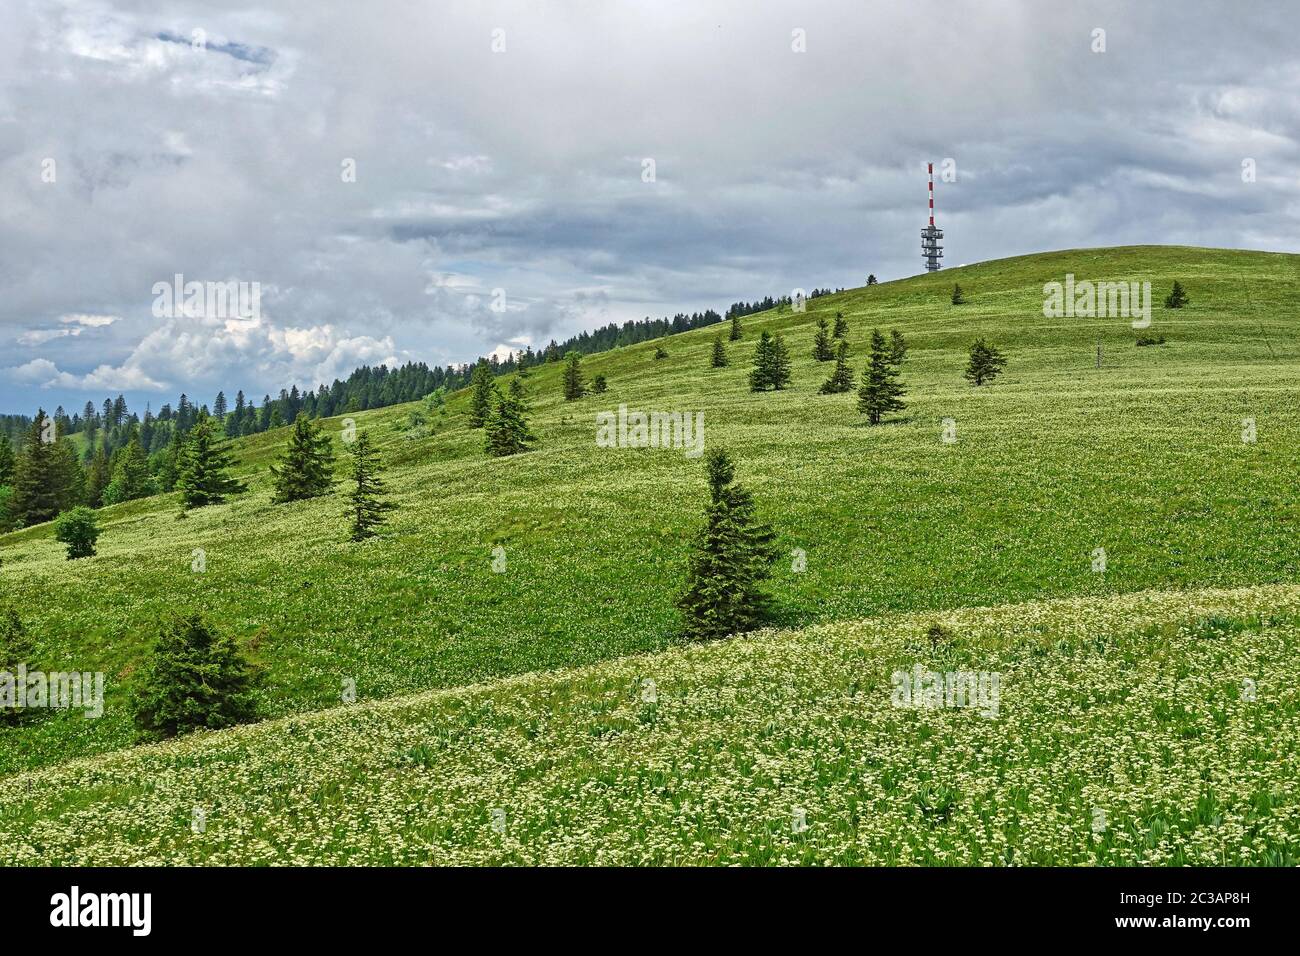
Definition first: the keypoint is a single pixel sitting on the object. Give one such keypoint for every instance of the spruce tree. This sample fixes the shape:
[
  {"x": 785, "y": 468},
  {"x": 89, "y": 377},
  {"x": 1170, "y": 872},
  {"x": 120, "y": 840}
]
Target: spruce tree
[
  {"x": 366, "y": 508},
  {"x": 822, "y": 351},
  {"x": 958, "y": 296},
  {"x": 599, "y": 385},
  {"x": 1177, "y": 298},
  {"x": 841, "y": 379},
  {"x": 573, "y": 382},
  {"x": 203, "y": 479},
  {"x": 480, "y": 397},
  {"x": 897, "y": 347},
  {"x": 871, "y": 279},
  {"x": 37, "y": 484},
  {"x": 194, "y": 679},
  {"x": 841, "y": 326},
  {"x": 732, "y": 557},
  {"x": 719, "y": 357},
  {"x": 736, "y": 333},
  {"x": 15, "y": 649},
  {"x": 660, "y": 353},
  {"x": 6, "y": 460},
  {"x": 131, "y": 478},
  {"x": 306, "y": 470},
  {"x": 98, "y": 477},
  {"x": 69, "y": 476},
  {"x": 507, "y": 429},
  {"x": 771, "y": 364},
  {"x": 985, "y": 364},
  {"x": 880, "y": 393},
  {"x": 780, "y": 376}
]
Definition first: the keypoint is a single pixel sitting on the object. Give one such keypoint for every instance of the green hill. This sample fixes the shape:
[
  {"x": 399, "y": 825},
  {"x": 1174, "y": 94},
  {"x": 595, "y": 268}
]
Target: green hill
[
  {"x": 1123, "y": 735},
  {"x": 1142, "y": 457}
]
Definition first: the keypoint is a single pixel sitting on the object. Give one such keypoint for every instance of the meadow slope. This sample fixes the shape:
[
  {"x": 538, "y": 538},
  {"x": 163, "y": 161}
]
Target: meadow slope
[
  {"x": 1160, "y": 728},
  {"x": 1142, "y": 456}
]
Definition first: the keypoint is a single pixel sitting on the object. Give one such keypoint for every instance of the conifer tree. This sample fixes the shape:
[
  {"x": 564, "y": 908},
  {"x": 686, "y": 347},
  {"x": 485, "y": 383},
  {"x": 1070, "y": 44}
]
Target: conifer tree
[
  {"x": 599, "y": 385},
  {"x": 660, "y": 353},
  {"x": 771, "y": 364},
  {"x": 822, "y": 351},
  {"x": 985, "y": 364},
  {"x": 1177, "y": 298},
  {"x": 736, "y": 332},
  {"x": 6, "y": 460},
  {"x": 98, "y": 477},
  {"x": 841, "y": 379},
  {"x": 77, "y": 530},
  {"x": 130, "y": 478},
  {"x": 519, "y": 394},
  {"x": 203, "y": 478},
  {"x": 897, "y": 347},
  {"x": 841, "y": 326},
  {"x": 719, "y": 357},
  {"x": 194, "y": 679},
  {"x": 507, "y": 429},
  {"x": 15, "y": 649},
  {"x": 69, "y": 476},
  {"x": 306, "y": 470},
  {"x": 732, "y": 557},
  {"x": 958, "y": 296},
  {"x": 881, "y": 392},
  {"x": 366, "y": 508},
  {"x": 480, "y": 397},
  {"x": 37, "y": 484},
  {"x": 871, "y": 279},
  {"x": 573, "y": 382}
]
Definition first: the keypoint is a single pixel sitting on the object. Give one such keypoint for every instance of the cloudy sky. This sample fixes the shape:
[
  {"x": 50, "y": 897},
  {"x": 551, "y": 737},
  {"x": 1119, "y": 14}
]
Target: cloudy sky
[{"x": 504, "y": 146}]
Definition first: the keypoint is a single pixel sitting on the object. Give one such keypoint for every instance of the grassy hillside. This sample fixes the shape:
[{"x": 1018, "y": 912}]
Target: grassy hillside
[
  {"x": 1123, "y": 736},
  {"x": 1142, "y": 457}
]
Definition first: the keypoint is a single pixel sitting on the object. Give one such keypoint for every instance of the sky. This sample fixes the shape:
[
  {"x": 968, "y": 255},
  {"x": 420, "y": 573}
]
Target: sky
[{"x": 433, "y": 181}]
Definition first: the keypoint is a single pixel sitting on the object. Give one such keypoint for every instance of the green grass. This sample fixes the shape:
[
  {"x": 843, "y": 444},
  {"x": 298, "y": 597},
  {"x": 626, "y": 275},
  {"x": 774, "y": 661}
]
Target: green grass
[
  {"x": 1123, "y": 736},
  {"x": 1142, "y": 457}
]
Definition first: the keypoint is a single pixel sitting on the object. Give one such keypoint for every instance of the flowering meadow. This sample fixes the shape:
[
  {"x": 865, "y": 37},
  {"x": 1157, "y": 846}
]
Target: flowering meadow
[
  {"x": 498, "y": 634},
  {"x": 1160, "y": 728}
]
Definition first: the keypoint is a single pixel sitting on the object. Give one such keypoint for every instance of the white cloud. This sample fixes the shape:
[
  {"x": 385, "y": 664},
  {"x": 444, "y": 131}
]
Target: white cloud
[{"x": 89, "y": 321}]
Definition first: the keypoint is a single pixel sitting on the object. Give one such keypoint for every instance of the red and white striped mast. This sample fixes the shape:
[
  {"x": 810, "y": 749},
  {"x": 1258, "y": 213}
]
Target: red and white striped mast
[{"x": 931, "y": 250}]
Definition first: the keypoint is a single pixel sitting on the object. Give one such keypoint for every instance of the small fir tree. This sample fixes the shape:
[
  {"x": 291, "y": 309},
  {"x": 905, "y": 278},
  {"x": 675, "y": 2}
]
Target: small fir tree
[
  {"x": 736, "y": 333},
  {"x": 897, "y": 347},
  {"x": 573, "y": 381},
  {"x": 15, "y": 649},
  {"x": 203, "y": 478},
  {"x": 985, "y": 364},
  {"x": 841, "y": 379},
  {"x": 660, "y": 353},
  {"x": 958, "y": 297},
  {"x": 482, "y": 388},
  {"x": 718, "y": 359},
  {"x": 881, "y": 392},
  {"x": 194, "y": 679},
  {"x": 771, "y": 364},
  {"x": 1177, "y": 298},
  {"x": 306, "y": 469},
  {"x": 841, "y": 326},
  {"x": 599, "y": 385},
  {"x": 507, "y": 430},
  {"x": 822, "y": 351},
  {"x": 732, "y": 557},
  {"x": 366, "y": 508}
]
